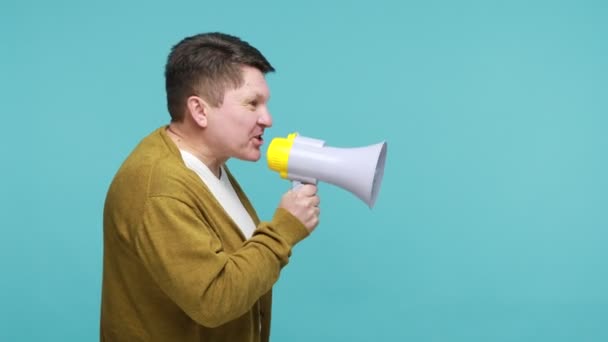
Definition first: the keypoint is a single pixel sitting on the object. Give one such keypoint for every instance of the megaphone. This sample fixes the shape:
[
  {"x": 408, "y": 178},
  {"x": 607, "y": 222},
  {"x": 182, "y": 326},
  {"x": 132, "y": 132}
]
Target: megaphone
[{"x": 307, "y": 160}]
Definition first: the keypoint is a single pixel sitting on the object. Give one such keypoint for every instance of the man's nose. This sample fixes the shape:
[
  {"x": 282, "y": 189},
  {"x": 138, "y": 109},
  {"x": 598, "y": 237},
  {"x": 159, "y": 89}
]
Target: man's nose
[{"x": 265, "y": 118}]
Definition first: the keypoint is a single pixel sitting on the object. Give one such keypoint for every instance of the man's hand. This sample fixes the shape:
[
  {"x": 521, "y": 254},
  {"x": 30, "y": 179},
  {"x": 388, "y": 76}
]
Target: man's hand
[{"x": 303, "y": 203}]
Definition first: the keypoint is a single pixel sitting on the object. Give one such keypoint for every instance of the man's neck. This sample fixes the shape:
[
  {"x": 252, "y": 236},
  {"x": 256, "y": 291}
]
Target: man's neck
[{"x": 188, "y": 141}]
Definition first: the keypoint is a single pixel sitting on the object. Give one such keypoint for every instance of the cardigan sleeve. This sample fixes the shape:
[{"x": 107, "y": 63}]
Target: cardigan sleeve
[{"x": 187, "y": 261}]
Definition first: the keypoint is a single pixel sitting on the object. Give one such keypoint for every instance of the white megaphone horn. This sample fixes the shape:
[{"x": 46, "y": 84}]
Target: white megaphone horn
[{"x": 307, "y": 160}]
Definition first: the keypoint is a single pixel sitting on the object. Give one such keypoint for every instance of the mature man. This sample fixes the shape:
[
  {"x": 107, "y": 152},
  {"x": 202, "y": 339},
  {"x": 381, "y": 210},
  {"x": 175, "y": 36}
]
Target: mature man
[{"x": 185, "y": 256}]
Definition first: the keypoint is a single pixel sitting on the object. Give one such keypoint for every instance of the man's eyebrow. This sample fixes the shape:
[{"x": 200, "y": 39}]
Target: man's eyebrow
[{"x": 257, "y": 96}]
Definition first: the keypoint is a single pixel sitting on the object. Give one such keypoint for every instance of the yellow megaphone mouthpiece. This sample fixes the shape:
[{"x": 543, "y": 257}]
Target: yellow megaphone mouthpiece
[{"x": 278, "y": 154}]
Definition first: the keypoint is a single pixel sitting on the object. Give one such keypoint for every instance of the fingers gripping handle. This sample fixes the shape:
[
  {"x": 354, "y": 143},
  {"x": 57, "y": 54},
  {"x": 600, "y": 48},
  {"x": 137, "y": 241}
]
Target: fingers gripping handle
[{"x": 296, "y": 184}]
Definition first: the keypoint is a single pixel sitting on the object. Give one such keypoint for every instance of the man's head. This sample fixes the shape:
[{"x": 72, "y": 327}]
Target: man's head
[
  {"x": 206, "y": 65},
  {"x": 216, "y": 89}
]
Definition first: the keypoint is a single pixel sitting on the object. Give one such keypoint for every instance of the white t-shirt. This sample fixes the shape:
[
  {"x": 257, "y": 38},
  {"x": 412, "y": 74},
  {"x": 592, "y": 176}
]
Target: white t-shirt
[{"x": 223, "y": 191}]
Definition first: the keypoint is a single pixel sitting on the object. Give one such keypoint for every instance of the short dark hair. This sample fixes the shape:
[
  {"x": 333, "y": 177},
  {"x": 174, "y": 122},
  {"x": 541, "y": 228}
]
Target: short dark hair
[{"x": 206, "y": 65}]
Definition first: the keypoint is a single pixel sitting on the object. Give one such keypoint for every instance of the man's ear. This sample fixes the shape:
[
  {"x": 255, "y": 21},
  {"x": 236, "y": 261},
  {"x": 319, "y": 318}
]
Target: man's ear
[{"x": 198, "y": 109}]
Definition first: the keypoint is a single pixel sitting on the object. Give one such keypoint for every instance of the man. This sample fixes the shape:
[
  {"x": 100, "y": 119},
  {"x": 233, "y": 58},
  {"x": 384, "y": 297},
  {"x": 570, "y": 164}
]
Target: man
[{"x": 185, "y": 256}]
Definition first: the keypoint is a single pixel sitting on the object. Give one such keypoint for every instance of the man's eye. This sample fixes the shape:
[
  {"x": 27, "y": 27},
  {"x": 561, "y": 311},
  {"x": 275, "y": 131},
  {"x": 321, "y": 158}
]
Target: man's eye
[{"x": 253, "y": 103}]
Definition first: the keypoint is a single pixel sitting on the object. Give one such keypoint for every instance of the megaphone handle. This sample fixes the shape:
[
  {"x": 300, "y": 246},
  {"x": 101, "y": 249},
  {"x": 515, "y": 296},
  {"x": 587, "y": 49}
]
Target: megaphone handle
[{"x": 296, "y": 184}]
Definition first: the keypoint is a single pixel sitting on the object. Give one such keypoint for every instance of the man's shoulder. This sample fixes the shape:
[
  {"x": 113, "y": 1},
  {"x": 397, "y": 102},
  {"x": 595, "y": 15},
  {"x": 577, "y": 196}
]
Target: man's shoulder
[
  {"x": 150, "y": 150},
  {"x": 153, "y": 163},
  {"x": 153, "y": 168}
]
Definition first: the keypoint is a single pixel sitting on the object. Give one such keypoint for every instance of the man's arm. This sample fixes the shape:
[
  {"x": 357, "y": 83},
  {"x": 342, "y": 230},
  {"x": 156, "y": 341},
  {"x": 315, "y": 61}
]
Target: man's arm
[{"x": 186, "y": 259}]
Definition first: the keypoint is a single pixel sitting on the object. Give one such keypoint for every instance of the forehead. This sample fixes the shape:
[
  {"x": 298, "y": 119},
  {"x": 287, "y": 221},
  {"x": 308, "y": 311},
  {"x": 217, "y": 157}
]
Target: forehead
[{"x": 254, "y": 84}]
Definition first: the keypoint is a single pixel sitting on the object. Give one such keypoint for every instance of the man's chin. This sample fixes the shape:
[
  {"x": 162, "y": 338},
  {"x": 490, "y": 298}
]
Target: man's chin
[{"x": 252, "y": 157}]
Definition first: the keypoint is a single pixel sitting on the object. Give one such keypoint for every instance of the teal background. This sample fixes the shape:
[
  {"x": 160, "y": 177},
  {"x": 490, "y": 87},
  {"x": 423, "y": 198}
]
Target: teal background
[{"x": 492, "y": 220}]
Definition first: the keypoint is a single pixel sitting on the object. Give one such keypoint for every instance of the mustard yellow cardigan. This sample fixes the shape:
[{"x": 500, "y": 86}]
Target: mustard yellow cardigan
[{"x": 175, "y": 266}]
